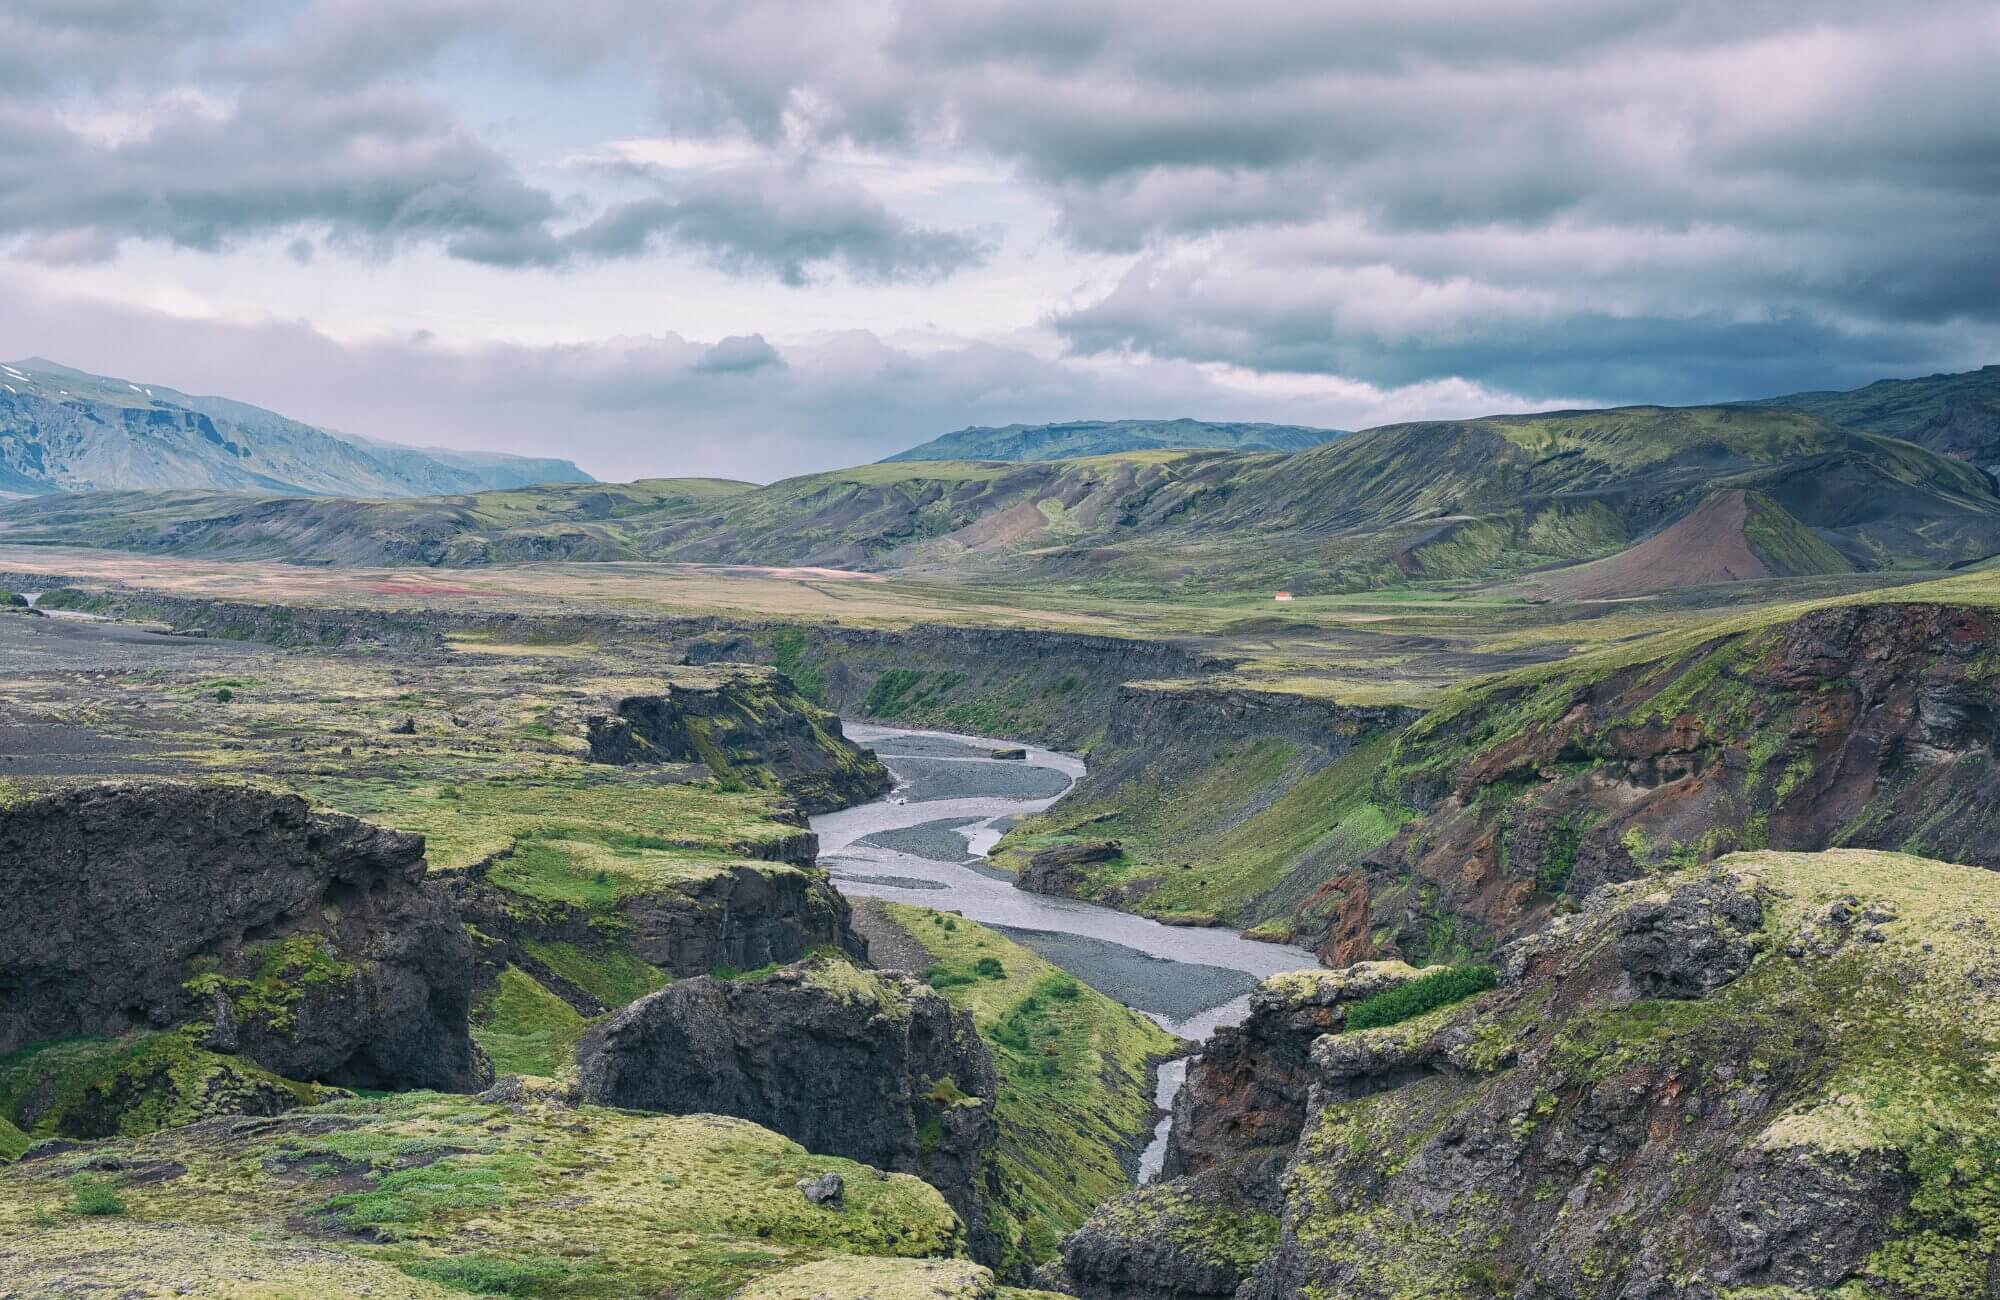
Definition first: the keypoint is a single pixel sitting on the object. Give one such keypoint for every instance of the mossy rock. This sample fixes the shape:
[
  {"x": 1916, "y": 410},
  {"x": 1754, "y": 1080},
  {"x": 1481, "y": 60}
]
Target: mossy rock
[
  {"x": 111, "y": 1087},
  {"x": 1819, "y": 1118},
  {"x": 453, "y": 1192}
]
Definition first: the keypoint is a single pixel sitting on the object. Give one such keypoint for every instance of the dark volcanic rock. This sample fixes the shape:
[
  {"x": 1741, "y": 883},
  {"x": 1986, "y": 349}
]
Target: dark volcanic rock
[
  {"x": 312, "y": 944},
  {"x": 1191, "y": 1237},
  {"x": 1557, "y": 1138},
  {"x": 1247, "y": 1091},
  {"x": 1689, "y": 942},
  {"x": 1054, "y": 870},
  {"x": 869, "y": 1065},
  {"x": 751, "y": 725},
  {"x": 746, "y": 916}
]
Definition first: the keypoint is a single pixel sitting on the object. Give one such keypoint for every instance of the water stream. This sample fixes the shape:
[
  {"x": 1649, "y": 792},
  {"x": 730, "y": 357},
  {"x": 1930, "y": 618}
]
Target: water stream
[{"x": 926, "y": 841}]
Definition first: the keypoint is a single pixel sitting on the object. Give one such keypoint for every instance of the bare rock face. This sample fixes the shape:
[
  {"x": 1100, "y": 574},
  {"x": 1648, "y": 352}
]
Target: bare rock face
[
  {"x": 309, "y": 943},
  {"x": 870, "y": 1065},
  {"x": 1183, "y": 1239},
  {"x": 1246, "y": 1093},
  {"x": 1689, "y": 942}
]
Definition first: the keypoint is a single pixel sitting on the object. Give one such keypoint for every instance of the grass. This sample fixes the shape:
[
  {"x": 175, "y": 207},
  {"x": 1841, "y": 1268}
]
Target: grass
[
  {"x": 525, "y": 1028},
  {"x": 1074, "y": 1070},
  {"x": 94, "y": 1196},
  {"x": 457, "y": 1195},
  {"x": 1244, "y": 818}
]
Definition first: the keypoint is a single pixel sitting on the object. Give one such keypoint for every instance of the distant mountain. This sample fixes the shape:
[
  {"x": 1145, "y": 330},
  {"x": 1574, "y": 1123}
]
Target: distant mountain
[
  {"x": 1721, "y": 493},
  {"x": 63, "y": 430},
  {"x": 1955, "y": 415},
  {"x": 1080, "y": 438}
]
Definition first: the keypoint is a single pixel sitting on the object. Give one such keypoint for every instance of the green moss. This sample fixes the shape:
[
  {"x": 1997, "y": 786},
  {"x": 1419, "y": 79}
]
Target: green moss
[
  {"x": 101, "y": 1087},
  {"x": 12, "y": 1141},
  {"x": 530, "y": 1199},
  {"x": 526, "y": 1029},
  {"x": 612, "y": 975},
  {"x": 289, "y": 971}
]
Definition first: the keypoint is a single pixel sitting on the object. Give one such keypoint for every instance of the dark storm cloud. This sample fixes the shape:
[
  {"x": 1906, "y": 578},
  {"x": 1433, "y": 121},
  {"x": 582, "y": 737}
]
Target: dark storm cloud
[
  {"x": 624, "y": 408},
  {"x": 779, "y": 221},
  {"x": 1843, "y": 159},
  {"x": 201, "y": 125},
  {"x": 376, "y": 166}
]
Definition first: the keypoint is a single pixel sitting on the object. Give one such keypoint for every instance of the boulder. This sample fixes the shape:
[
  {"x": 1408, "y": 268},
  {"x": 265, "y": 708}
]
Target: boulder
[
  {"x": 1057, "y": 870},
  {"x": 1691, "y": 941},
  {"x": 874, "y": 1066},
  {"x": 312, "y": 944}
]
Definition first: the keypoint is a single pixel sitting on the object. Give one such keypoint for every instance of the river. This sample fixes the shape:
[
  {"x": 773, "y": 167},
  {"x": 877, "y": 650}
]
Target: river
[{"x": 926, "y": 841}]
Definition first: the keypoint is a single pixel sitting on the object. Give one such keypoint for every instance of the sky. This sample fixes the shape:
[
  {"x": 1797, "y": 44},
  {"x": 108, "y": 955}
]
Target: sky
[{"x": 754, "y": 239}]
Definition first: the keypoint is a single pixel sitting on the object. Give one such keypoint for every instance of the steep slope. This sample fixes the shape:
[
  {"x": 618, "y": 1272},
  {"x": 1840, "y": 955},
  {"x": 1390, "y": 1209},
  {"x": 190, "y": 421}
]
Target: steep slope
[
  {"x": 1732, "y": 535},
  {"x": 1769, "y": 1077},
  {"x": 66, "y": 430},
  {"x": 1859, "y": 725},
  {"x": 1080, "y": 438},
  {"x": 1956, "y": 415}
]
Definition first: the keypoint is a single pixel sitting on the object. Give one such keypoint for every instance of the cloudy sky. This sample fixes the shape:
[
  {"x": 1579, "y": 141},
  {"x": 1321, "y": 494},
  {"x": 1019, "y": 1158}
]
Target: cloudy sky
[{"x": 756, "y": 238}]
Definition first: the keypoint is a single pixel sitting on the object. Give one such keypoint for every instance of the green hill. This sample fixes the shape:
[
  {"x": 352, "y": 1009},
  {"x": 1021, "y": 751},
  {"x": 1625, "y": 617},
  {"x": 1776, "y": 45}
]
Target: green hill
[
  {"x": 1080, "y": 438},
  {"x": 1467, "y": 499},
  {"x": 1958, "y": 415}
]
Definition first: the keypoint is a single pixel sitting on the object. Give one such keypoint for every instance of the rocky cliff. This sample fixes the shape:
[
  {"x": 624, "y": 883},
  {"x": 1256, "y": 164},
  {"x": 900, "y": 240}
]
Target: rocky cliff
[
  {"x": 1245, "y": 1094},
  {"x": 1867, "y": 726},
  {"x": 311, "y": 944},
  {"x": 750, "y": 727},
  {"x": 1769, "y": 1077},
  {"x": 873, "y": 1066}
]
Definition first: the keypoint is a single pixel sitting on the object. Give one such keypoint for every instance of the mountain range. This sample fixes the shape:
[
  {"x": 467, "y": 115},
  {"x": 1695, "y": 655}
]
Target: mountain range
[
  {"x": 63, "y": 430},
  {"x": 1078, "y": 439},
  {"x": 1604, "y": 502}
]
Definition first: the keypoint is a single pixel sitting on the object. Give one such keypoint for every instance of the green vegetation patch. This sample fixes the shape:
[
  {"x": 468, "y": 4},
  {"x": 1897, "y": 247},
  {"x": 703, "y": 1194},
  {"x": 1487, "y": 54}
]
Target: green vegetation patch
[
  {"x": 107, "y": 1087},
  {"x": 1075, "y": 1078},
  {"x": 1424, "y": 994},
  {"x": 526, "y": 1029},
  {"x": 454, "y": 1195}
]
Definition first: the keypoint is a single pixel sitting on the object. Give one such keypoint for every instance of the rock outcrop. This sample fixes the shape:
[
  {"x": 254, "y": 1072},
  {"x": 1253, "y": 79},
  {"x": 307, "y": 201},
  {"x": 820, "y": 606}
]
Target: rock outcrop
[
  {"x": 1772, "y": 1076},
  {"x": 1246, "y": 1094},
  {"x": 742, "y": 915},
  {"x": 1871, "y": 726},
  {"x": 750, "y": 726},
  {"x": 873, "y": 1066},
  {"x": 1056, "y": 870},
  {"x": 309, "y": 943},
  {"x": 1184, "y": 1239}
]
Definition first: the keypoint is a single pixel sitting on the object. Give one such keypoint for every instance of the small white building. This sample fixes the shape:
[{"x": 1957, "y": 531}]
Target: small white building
[{"x": 1282, "y": 595}]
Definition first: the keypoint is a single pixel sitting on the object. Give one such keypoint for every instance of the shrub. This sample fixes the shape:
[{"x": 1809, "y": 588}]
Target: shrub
[
  {"x": 93, "y": 1196},
  {"x": 944, "y": 977},
  {"x": 492, "y": 1274},
  {"x": 224, "y": 695},
  {"x": 1426, "y": 993},
  {"x": 989, "y": 968}
]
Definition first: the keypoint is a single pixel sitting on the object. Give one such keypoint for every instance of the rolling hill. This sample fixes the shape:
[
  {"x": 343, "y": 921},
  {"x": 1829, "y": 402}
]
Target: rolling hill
[
  {"x": 1956, "y": 415},
  {"x": 62, "y": 430},
  {"x": 1486, "y": 499},
  {"x": 1083, "y": 438}
]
